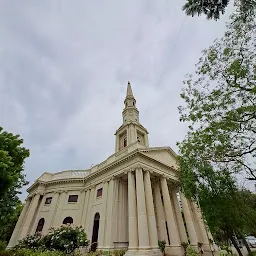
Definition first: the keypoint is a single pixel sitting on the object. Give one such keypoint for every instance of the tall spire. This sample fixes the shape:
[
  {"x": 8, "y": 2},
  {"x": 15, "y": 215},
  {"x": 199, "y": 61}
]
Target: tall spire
[
  {"x": 129, "y": 90},
  {"x": 130, "y": 112},
  {"x": 131, "y": 132}
]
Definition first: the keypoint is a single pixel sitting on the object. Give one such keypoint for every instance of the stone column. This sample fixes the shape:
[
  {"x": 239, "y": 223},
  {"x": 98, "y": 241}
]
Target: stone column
[
  {"x": 109, "y": 231},
  {"x": 15, "y": 234},
  {"x": 132, "y": 207},
  {"x": 189, "y": 221},
  {"x": 142, "y": 212},
  {"x": 90, "y": 217},
  {"x": 172, "y": 225},
  {"x": 150, "y": 212},
  {"x": 180, "y": 222},
  {"x": 103, "y": 216},
  {"x": 57, "y": 221},
  {"x": 33, "y": 229},
  {"x": 202, "y": 227},
  {"x": 81, "y": 201},
  {"x": 160, "y": 215},
  {"x": 85, "y": 208},
  {"x": 29, "y": 216}
]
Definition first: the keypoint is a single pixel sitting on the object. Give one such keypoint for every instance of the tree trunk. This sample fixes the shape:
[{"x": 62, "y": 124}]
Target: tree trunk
[
  {"x": 246, "y": 244},
  {"x": 236, "y": 245}
]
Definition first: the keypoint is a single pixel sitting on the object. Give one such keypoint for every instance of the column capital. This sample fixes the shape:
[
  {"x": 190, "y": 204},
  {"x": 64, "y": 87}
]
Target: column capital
[
  {"x": 138, "y": 166},
  {"x": 147, "y": 169},
  {"x": 131, "y": 169}
]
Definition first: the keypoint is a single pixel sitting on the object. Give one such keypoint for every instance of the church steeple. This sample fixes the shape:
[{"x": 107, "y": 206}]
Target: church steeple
[
  {"x": 130, "y": 112},
  {"x": 131, "y": 131}
]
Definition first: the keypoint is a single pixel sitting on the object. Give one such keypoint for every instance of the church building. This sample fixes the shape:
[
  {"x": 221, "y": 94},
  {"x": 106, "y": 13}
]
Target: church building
[{"x": 129, "y": 201}]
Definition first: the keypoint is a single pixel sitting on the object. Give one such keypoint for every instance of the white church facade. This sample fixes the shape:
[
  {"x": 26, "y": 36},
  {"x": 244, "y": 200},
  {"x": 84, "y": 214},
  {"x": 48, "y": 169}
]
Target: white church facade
[{"x": 130, "y": 201}]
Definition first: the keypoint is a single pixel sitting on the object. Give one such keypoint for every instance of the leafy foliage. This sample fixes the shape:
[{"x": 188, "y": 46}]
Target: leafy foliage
[
  {"x": 213, "y": 9},
  {"x": 28, "y": 252},
  {"x": 191, "y": 251},
  {"x": 32, "y": 242},
  {"x": 12, "y": 157},
  {"x": 67, "y": 238},
  {"x": 161, "y": 245},
  {"x": 220, "y": 106}
]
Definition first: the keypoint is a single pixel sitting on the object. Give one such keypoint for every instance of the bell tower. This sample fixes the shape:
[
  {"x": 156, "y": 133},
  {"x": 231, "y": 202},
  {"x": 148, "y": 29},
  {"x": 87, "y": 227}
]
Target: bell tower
[{"x": 131, "y": 132}]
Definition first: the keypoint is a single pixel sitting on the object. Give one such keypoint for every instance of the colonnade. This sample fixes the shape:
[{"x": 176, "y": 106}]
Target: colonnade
[{"x": 155, "y": 214}]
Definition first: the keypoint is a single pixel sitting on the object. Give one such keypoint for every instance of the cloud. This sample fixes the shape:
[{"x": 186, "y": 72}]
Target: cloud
[{"x": 64, "y": 67}]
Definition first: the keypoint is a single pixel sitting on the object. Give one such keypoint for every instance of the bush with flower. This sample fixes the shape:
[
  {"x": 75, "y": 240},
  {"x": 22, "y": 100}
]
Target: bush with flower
[
  {"x": 66, "y": 239},
  {"x": 31, "y": 242}
]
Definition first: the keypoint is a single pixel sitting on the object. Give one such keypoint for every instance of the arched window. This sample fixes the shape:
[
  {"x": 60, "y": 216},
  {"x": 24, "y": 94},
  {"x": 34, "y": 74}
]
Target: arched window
[
  {"x": 139, "y": 139},
  {"x": 40, "y": 225},
  {"x": 68, "y": 220},
  {"x": 125, "y": 142}
]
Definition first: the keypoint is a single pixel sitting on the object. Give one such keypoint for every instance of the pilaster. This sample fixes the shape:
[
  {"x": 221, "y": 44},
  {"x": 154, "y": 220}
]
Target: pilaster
[
  {"x": 15, "y": 235},
  {"x": 27, "y": 221},
  {"x": 102, "y": 227}
]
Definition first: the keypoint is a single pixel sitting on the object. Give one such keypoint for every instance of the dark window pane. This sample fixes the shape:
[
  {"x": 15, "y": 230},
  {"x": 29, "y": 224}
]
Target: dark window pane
[
  {"x": 68, "y": 220},
  {"x": 73, "y": 198},
  {"x": 99, "y": 192},
  {"x": 48, "y": 200},
  {"x": 40, "y": 225}
]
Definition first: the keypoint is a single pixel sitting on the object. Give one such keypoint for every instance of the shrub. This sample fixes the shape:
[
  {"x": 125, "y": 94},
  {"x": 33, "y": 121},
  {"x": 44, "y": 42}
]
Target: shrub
[
  {"x": 161, "y": 245},
  {"x": 118, "y": 252},
  {"x": 223, "y": 253},
  {"x": 2, "y": 245},
  {"x": 29, "y": 252},
  {"x": 191, "y": 251},
  {"x": 66, "y": 238},
  {"x": 30, "y": 242}
]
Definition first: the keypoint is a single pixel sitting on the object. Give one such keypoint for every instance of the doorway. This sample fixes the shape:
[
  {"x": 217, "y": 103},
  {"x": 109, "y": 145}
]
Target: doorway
[{"x": 95, "y": 232}]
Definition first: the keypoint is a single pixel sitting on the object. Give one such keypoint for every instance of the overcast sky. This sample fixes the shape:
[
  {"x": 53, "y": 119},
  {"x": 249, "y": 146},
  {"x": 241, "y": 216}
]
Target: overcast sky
[{"x": 64, "y": 67}]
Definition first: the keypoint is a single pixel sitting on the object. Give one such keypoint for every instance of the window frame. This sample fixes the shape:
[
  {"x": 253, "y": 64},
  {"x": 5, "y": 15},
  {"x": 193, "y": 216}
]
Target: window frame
[
  {"x": 48, "y": 199},
  {"x": 99, "y": 192},
  {"x": 70, "y": 200}
]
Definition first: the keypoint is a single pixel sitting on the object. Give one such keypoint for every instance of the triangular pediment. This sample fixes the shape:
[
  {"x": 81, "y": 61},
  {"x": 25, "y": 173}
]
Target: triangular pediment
[{"x": 164, "y": 155}]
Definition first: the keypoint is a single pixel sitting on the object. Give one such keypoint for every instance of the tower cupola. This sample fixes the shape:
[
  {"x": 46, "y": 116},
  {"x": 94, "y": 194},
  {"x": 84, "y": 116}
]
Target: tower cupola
[{"x": 131, "y": 132}]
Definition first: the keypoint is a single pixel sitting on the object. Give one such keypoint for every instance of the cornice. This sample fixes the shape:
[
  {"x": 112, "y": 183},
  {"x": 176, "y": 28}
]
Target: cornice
[{"x": 136, "y": 153}]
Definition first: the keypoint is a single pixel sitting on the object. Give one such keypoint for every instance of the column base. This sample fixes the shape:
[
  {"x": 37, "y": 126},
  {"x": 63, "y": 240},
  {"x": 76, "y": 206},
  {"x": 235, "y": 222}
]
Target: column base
[
  {"x": 156, "y": 252},
  {"x": 131, "y": 252},
  {"x": 143, "y": 252},
  {"x": 208, "y": 250},
  {"x": 174, "y": 250}
]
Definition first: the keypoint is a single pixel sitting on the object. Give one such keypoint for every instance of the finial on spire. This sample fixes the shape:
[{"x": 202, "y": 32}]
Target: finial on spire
[{"x": 129, "y": 90}]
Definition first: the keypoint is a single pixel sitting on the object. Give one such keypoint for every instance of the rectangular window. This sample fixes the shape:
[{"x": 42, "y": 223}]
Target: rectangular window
[
  {"x": 99, "y": 192},
  {"x": 73, "y": 198},
  {"x": 48, "y": 200}
]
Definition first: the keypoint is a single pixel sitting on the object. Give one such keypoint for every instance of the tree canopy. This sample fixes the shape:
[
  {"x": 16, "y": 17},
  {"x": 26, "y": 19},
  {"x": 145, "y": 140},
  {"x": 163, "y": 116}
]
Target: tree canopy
[
  {"x": 213, "y": 9},
  {"x": 12, "y": 178},
  {"x": 220, "y": 107},
  {"x": 220, "y": 103}
]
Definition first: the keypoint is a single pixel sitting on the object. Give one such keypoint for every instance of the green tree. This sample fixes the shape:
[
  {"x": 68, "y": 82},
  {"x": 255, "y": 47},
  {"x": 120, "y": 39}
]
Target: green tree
[
  {"x": 220, "y": 102},
  {"x": 12, "y": 157},
  {"x": 213, "y": 9},
  {"x": 229, "y": 212},
  {"x": 220, "y": 106}
]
